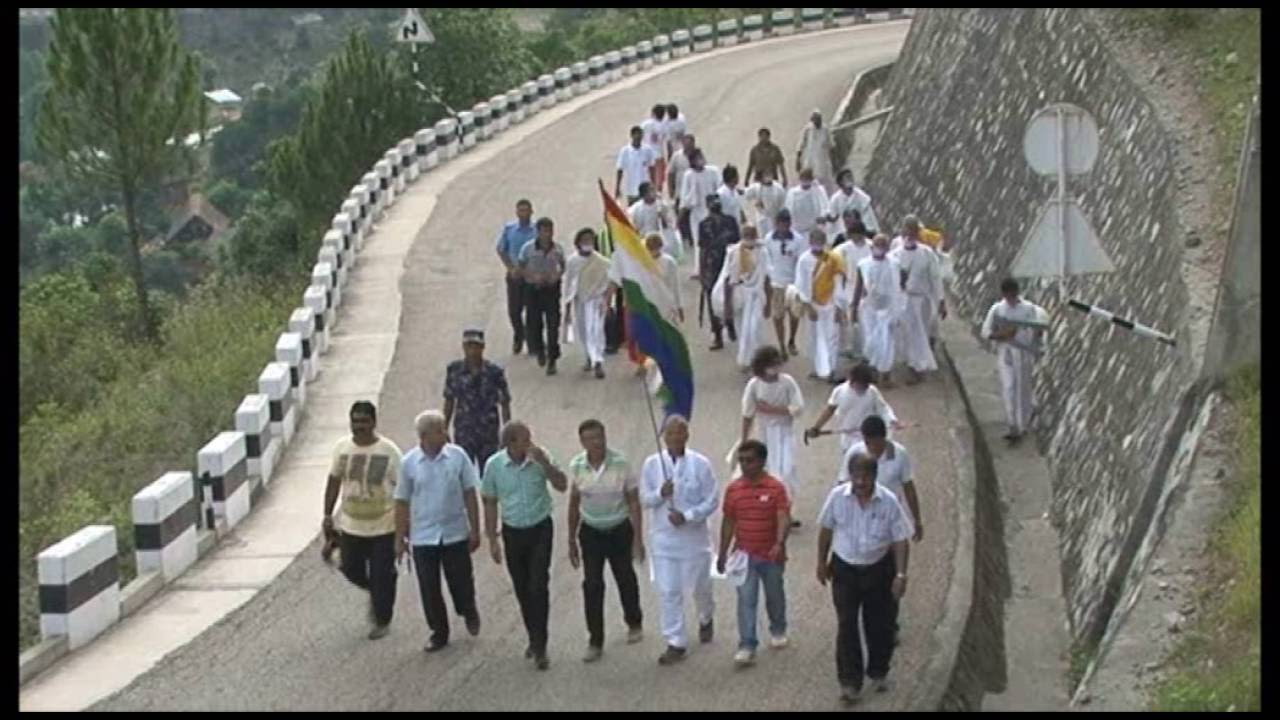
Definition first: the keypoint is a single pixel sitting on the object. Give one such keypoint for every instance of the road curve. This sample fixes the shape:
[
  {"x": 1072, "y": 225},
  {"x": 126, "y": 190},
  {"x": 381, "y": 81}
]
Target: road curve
[{"x": 300, "y": 645}]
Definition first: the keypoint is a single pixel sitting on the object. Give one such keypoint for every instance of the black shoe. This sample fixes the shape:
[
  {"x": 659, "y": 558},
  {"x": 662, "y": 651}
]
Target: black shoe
[
  {"x": 517, "y": 346},
  {"x": 850, "y": 694},
  {"x": 473, "y": 624},
  {"x": 611, "y": 351},
  {"x": 671, "y": 656},
  {"x": 551, "y": 367},
  {"x": 587, "y": 367},
  {"x": 435, "y": 646},
  {"x": 599, "y": 371},
  {"x": 542, "y": 661},
  {"x": 795, "y": 523},
  {"x": 706, "y": 632},
  {"x": 733, "y": 332},
  {"x": 717, "y": 345},
  {"x": 528, "y": 652},
  {"x": 542, "y": 359}
]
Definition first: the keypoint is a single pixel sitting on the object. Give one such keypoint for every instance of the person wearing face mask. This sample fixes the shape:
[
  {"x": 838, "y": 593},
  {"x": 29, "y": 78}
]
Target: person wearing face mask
[
  {"x": 853, "y": 247},
  {"x": 700, "y": 182},
  {"x": 814, "y": 151},
  {"x": 849, "y": 196},
  {"x": 767, "y": 198},
  {"x": 587, "y": 295},
  {"x": 819, "y": 276},
  {"x": 744, "y": 287},
  {"x": 731, "y": 195},
  {"x": 784, "y": 246},
  {"x": 878, "y": 300},
  {"x": 808, "y": 203},
  {"x": 922, "y": 282},
  {"x": 775, "y": 398}
]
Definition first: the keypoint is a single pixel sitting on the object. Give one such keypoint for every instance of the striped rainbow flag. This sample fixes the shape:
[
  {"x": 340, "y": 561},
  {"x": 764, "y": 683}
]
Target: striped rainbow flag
[{"x": 649, "y": 306}]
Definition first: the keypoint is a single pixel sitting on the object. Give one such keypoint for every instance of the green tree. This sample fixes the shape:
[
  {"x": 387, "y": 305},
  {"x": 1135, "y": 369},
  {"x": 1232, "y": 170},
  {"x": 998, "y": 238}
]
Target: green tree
[
  {"x": 122, "y": 88},
  {"x": 478, "y": 53}
]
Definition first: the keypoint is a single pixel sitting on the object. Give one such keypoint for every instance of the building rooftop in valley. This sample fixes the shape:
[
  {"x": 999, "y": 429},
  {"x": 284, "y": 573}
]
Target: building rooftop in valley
[{"x": 223, "y": 96}]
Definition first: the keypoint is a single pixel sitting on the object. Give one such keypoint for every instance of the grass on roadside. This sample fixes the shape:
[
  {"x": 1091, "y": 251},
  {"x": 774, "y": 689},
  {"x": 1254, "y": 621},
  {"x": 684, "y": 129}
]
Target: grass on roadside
[{"x": 1218, "y": 666}]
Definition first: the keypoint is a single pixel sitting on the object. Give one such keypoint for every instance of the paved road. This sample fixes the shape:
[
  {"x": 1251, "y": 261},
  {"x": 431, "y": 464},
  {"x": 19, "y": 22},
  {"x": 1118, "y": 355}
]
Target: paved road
[{"x": 300, "y": 644}]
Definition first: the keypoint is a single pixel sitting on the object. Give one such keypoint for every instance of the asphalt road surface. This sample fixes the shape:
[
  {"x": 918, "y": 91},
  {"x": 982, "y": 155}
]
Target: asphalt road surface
[{"x": 300, "y": 644}]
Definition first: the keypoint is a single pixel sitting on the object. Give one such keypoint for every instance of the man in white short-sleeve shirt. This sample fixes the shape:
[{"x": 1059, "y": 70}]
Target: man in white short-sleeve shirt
[{"x": 634, "y": 162}]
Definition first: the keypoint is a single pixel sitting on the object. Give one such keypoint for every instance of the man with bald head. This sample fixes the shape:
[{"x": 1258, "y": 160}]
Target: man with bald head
[
  {"x": 922, "y": 282},
  {"x": 814, "y": 151},
  {"x": 678, "y": 487},
  {"x": 438, "y": 516}
]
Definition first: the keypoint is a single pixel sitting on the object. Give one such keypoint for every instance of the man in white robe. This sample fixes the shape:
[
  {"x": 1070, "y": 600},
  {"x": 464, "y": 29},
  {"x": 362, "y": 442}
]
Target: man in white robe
[
  {"x": 808, "y": 204},
  {"x": 878, "y": 300},
  {"x": 814, "y": 151},
  {"x": 766, "y": 198},
  {"x": 1017, "y": 348},
  {"x": 700, "y": 180},
  {"x": 678, "y": 487},
  {"x": 819, "y": 275},
  {"x": 587, "y": 295},
  {"x": 922, "y": 281},
  {"x": 853, "y": 248},
  {"x": 774, "y": 398},
  {"x": 850, "y": 196},
  {"x": 742, "y": 293}
]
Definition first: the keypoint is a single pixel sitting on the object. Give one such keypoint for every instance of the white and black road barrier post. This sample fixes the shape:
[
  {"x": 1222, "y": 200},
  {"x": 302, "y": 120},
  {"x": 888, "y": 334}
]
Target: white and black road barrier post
[
  {"x": 224, "y": 460},
  {"x": 166, "y": 517},
  {"x": 261, "y": 447},
  {"x": 79, "y": 585},
  {"x": 275, "y": 384}
]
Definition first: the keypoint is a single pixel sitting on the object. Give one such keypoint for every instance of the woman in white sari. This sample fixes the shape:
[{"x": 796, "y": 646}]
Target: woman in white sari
[
  {"x": 587, "y": 295},
  {"x": 775, "y": 398}
]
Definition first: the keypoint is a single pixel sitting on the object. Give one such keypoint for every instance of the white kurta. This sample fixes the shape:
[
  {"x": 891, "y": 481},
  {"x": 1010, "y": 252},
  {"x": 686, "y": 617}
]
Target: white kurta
[
  {"x": 807, "y": 207},
  {"x": 824, "y": 341},
  {"x": 731, "y": 202},
  {"x": 656, "y": 217},
  {"x": 765, "y": 201},
  {"x": 588, "y": 295},
  {"x": 879, "y": 309},
  {"x": 694, "y": 190},
  {"x": 748, "y": 298},
  {"x": 852, "y": 407},
  {"x": 859, "y": 200},
  {"x": 680, "y": 557},
  {"x": 1014, "y": 364},
  {"x": 852, "y": 253},
  {"x": 676, "y": 168},
  {"x": 815, "y": 153},
  {"x": 924, "y": 292},
  {"x": 777, "y": 431},
  {"x": 671, "y": 278}
]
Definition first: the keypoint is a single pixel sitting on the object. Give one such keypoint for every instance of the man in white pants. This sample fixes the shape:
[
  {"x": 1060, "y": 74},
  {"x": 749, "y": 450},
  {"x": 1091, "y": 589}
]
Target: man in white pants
[
  {"x": 878, "y": 301},
  {"x": 1017, "y": 347},
  {"x": 922, "y": 281},
  {"x": 820, "y": 277},
  {"x": 587, "y": 295},
  {"x": 678, "y": 487},
  {"x": 853, "y": 246},
  {"x": 808, "y": 203}
]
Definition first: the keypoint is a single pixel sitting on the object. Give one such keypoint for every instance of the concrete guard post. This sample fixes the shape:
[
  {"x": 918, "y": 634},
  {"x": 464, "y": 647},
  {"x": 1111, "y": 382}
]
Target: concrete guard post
[
  {"x": 319, "y": 335},
  {"x": 408, "y": 160},
  {"x": 497, "y": 114},
  {"x": 515, "y": 107},
  {"x": 331, "y": 252},
  {"x": 703, "y": 38},
  {"x": 596, "y": 71},
  {"x": 843, "y": 17},
  {"x": 79, "y": 585},
  {"x": 425, "y": 145},
  {"x": 447, "y": 139},
  {"x": 316, "y": 300},
  {"x": 813, "y": 18},
  {"x": 385, "y": 170},
  {"x": 351, "y": 208},
  {"x": 581, "y": 78},
  {"x": 322, "y": 276},
  {"x": 303, "y": 322},
  {"x": 613, "y": 66},
  {"x": 226, "y": 462},
  {"x": 547, "y": 91},
  {"x": 467, "y": 123},
  {"x": 483, "y": 113},
  {"x": 630, "y": 61},
  {"x": 644, "y": 54},
  {"x": 392, "y": 156},
  {"x": 532, "y": 100},
  {"x": 289, "y": 351},
  {"x": 373, "y": 186},
  {"x": 166, "y": 514},
  {"x": 782, "y": 22},
  {"x": 274, "y": 383},
  {"x": 727, "y": 33},
  {"x": 680, "y": 44},
  {"x": 565, "y": 86},
  {"x": 261, "y": 448},
  {"x": 661, "y": 49},
  {"x": 752, "y": 28},
  {"x": 343, "y": 226}
]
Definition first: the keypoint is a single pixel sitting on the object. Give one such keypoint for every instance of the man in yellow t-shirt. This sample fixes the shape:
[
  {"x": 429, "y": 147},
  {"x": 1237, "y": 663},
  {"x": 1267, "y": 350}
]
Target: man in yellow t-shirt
[{"x": 365, "y": 470}]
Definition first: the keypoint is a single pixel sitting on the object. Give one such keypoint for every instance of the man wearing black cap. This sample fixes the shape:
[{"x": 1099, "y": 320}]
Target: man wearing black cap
[
  {"x": 715, "y": 234},
  {"x": 474, "y": 391}
]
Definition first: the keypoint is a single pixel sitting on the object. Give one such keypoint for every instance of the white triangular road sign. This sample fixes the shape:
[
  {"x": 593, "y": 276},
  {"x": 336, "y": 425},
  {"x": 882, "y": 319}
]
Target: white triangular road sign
[
  {"x": 412, "y": 28},
  {"x": 1039, "y": 256}
]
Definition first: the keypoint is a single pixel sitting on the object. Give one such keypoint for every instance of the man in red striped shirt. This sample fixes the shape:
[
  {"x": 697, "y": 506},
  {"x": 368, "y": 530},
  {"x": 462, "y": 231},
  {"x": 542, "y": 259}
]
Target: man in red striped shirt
[{"x": 757, "y": 519}]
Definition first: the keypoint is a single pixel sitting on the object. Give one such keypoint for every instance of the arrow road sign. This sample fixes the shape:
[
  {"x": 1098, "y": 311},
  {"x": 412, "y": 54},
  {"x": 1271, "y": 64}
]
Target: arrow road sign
[{"x": 413, "y": 30}]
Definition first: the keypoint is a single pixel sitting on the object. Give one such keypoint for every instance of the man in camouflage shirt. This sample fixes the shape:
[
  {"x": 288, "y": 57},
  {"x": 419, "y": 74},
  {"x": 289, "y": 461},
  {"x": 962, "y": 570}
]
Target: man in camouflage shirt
[{"x": 474, "y": 391}]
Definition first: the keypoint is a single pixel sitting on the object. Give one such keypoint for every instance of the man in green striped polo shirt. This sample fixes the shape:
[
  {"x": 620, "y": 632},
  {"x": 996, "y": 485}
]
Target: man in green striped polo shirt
[{"x": 604, "y": 516}]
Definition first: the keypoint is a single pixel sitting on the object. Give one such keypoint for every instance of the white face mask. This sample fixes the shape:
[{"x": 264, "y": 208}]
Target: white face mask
[
  {"x": 816, "y": 249},
  {"x": 771, "y": 373},
  {"x": 877, "y": 253},
  {"x": 585, "y": 250}
]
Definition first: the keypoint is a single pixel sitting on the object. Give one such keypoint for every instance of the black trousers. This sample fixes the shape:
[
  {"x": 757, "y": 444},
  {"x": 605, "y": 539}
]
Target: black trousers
[
  {"x": 515, "y": 307},
  {"x": 614, "y": 327},
  {"x": 455, "y": 560},
  {"x": 479, "y": 450},
  {"x": 370, "y": 564},
  {"x": 542, "y": 309},
  {"x": 717, "y": 325},
  {"x": 864, "y": 590},
  {"x": 613, "y": 545},
  {"x": 528, "y": 559}
]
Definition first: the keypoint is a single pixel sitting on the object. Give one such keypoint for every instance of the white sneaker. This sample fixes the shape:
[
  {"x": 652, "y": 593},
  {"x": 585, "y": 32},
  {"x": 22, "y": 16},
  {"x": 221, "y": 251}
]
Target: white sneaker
[
  {"x": 778, "y": 642},
  {"x": 744, "y": 658}
]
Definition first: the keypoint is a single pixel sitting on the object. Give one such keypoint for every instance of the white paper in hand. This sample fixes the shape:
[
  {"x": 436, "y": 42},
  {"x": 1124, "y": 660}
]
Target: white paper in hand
[{"x": 735, "y": 568}]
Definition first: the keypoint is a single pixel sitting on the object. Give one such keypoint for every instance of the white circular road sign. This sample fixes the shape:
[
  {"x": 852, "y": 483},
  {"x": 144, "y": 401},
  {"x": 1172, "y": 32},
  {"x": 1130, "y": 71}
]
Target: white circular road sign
[{"x": 1076, "y": 141}]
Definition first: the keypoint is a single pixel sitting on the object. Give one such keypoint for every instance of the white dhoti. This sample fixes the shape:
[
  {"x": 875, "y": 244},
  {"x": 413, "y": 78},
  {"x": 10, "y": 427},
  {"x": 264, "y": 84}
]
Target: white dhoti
[
  {"x": 780, "y": 439},
  {"x": 748, "y": 320},
  {"x": 877, "y": 330},
  {"x": 763, "y": 224},
  {"x": 672, "y": 244},
  {"x": 588, "y": 325},
  {"x": 1016, "y": 386},
  {"x": 824, "y": 343},
  {"x": 914, "y": 330},
  {"x": 696, "y": 216},
  {"x": 672, "y": 576}
]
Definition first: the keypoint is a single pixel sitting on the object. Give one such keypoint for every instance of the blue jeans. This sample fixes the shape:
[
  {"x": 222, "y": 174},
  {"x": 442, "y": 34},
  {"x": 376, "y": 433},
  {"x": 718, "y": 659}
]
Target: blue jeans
[{"x": 775, "y": 602}]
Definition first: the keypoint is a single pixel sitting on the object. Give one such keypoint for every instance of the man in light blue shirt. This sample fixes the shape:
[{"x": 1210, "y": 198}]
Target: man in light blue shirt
[
  {"x": 513, "y": 237},
  {"x": 438, "y": 515}
]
